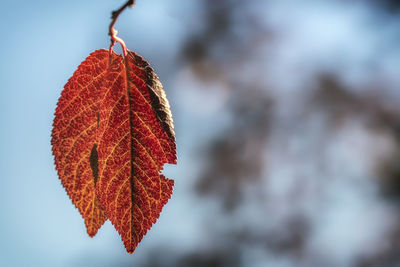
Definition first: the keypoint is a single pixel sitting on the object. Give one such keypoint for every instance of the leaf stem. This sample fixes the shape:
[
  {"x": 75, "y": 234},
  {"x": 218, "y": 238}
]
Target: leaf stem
[{"x": 113, "y": 32}]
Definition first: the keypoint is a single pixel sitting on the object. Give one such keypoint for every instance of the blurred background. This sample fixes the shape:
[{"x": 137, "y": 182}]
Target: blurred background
[{"x": 287, "y": 116}]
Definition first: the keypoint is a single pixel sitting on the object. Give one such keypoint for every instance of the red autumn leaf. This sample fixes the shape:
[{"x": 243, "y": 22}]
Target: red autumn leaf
[
  {"x": 112, "y": 134},
  {"x": 73, "y": 137}
]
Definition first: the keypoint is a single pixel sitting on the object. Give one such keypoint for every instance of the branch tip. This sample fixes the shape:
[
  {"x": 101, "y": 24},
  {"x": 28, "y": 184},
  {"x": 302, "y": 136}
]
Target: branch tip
[{"x": 112, "y": 32}]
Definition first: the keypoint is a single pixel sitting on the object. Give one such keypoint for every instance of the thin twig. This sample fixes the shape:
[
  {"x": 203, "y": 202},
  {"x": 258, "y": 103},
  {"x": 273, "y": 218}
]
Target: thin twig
[{"x": 112, "y": 31}]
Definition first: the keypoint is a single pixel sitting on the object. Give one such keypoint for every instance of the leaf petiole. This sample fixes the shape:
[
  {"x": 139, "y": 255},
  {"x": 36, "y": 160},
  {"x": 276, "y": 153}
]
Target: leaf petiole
[{"x": 113, "y": 32}]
